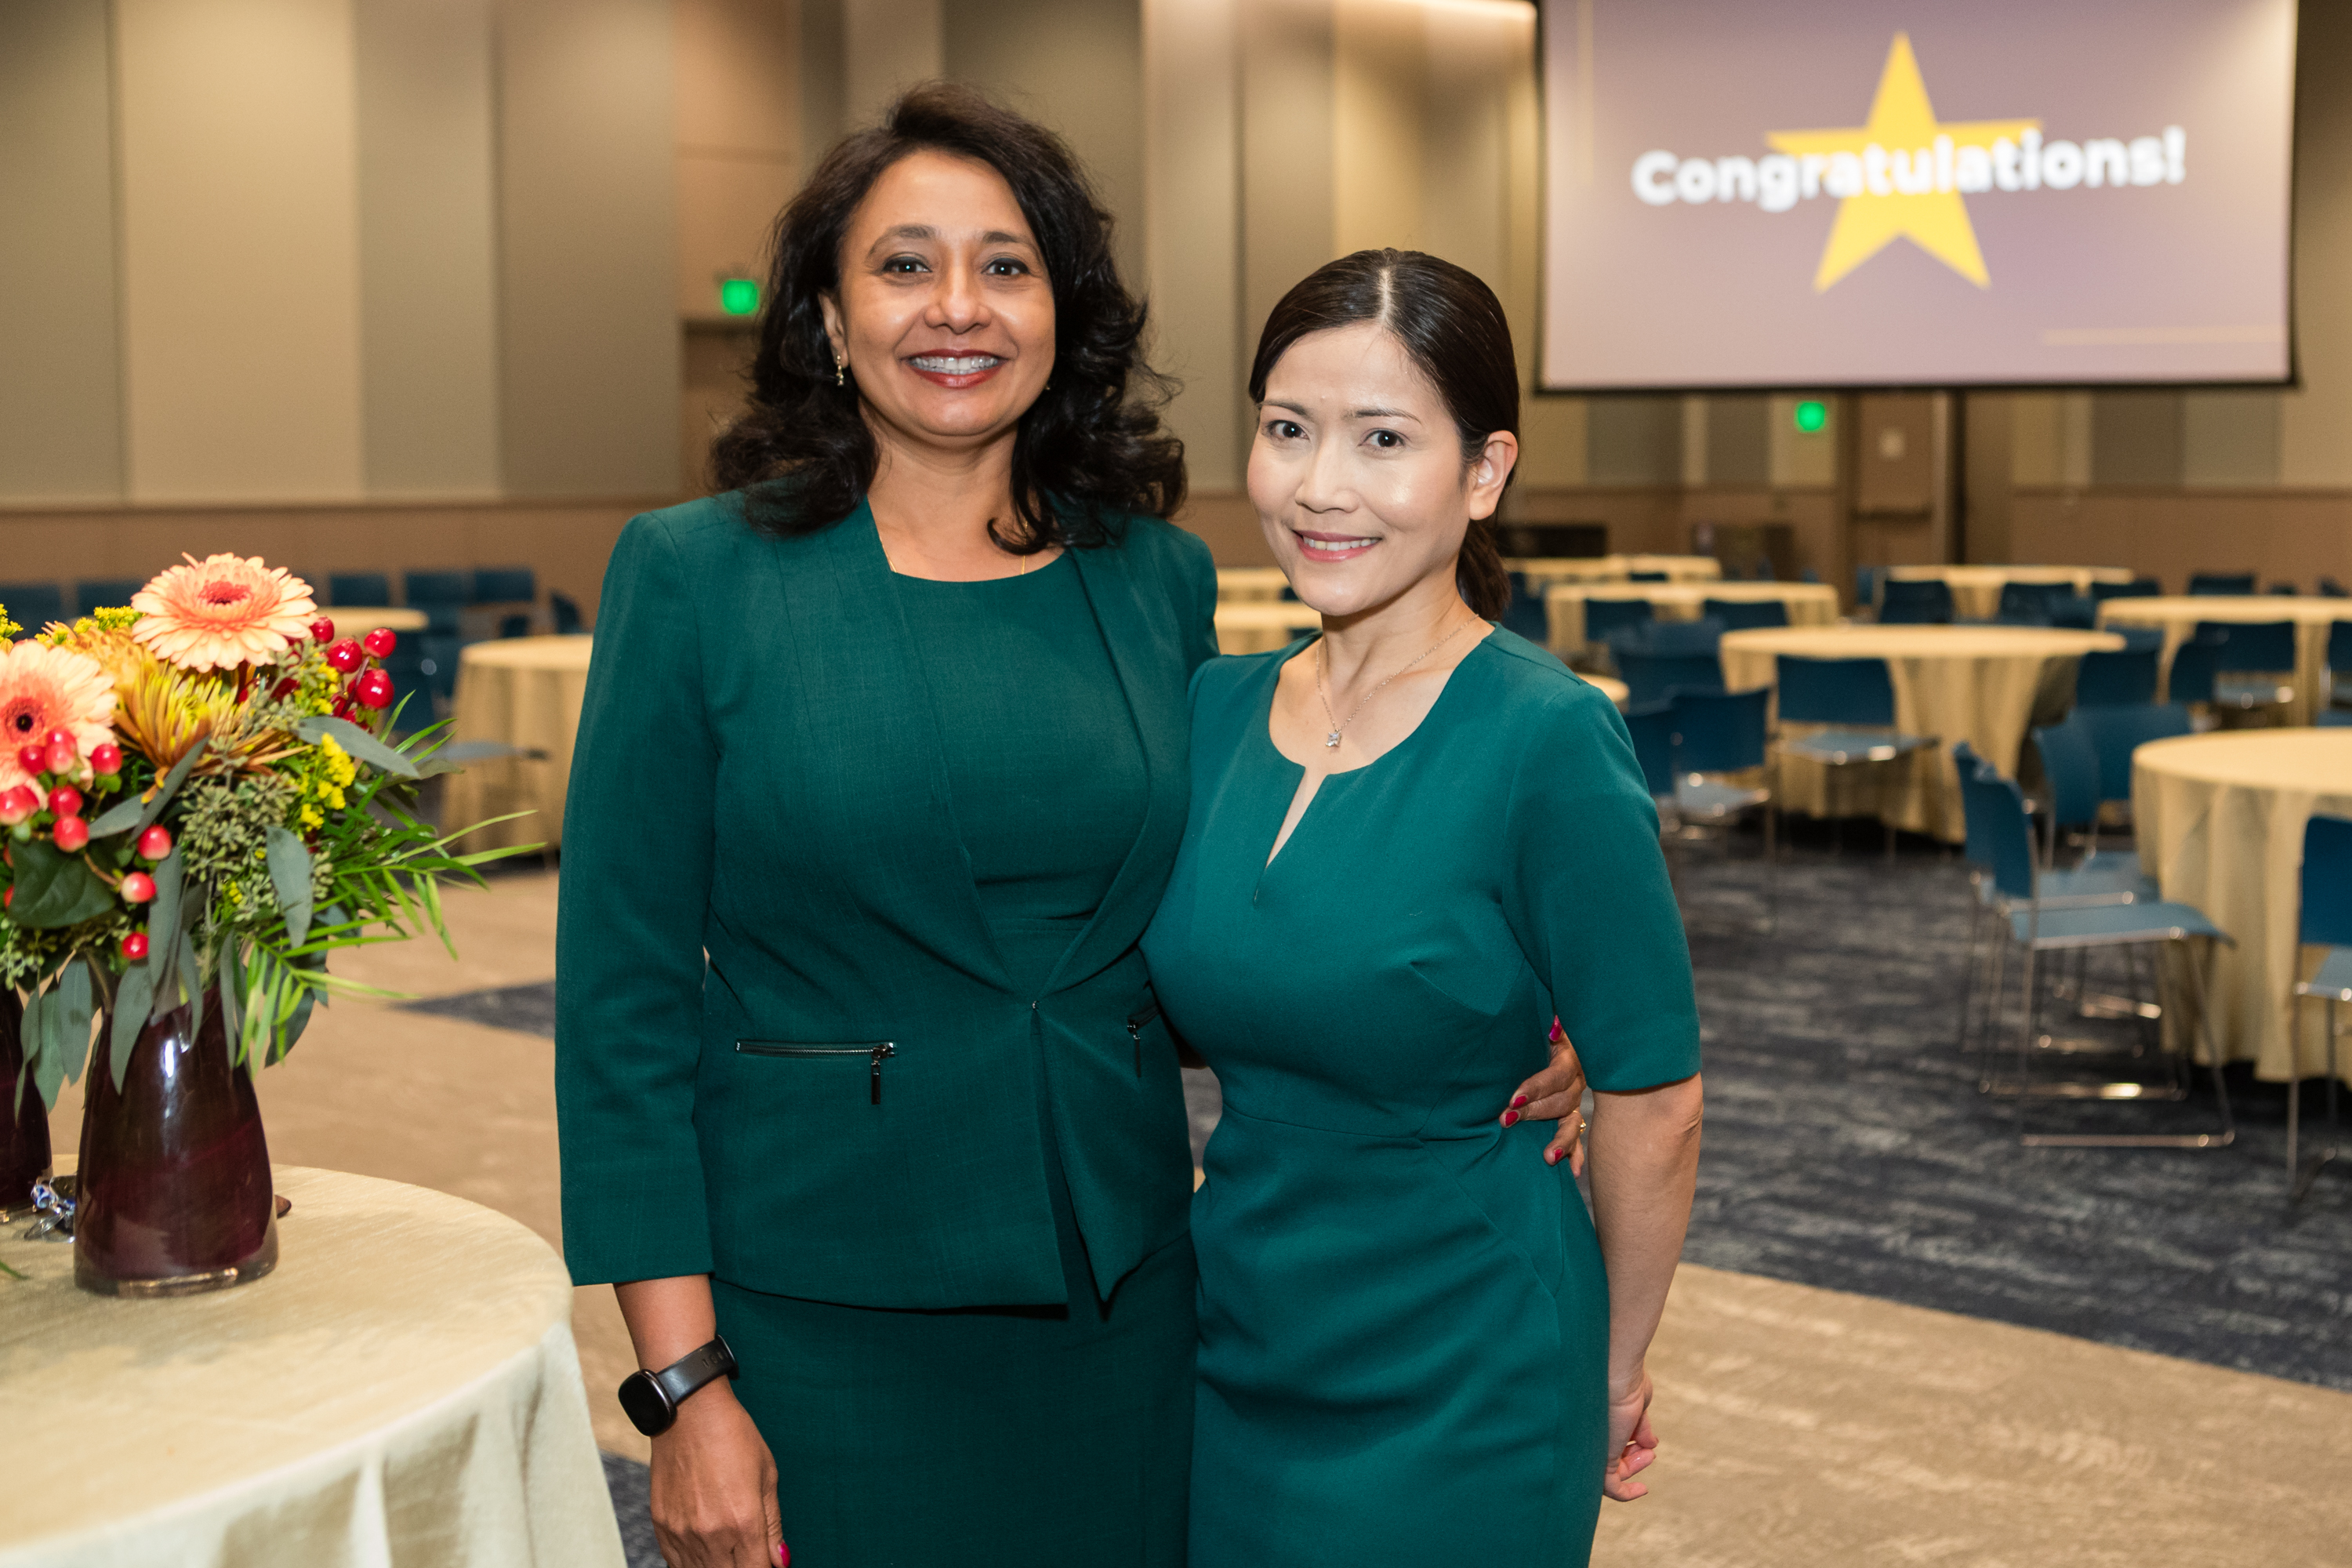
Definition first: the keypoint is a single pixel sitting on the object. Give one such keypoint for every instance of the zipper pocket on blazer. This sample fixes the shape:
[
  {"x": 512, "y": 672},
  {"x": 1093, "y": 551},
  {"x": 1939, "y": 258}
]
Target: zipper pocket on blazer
[
  {"x": 1135, "y": 1032},
  {"x": 878, "y": 1051}
]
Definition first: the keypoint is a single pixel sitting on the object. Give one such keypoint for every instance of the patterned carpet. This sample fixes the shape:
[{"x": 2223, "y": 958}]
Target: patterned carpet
[{"x": 1848, "y": 1147}]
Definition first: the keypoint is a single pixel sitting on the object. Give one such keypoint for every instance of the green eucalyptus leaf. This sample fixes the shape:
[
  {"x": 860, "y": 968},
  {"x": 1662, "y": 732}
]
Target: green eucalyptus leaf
[
  {"x": 28, "y": 1026},
  {"x": 164, "y": 934},
  {"x": 133, "y": 999},
  {"x": 170, "y": 785},
  {"x": 70, "y": 1005},
  {"x": 54, "y": 888},
  {"x": 120, "y": 817},
  {"x": 232, "y": 997},
  {"x": 290, "y": 873},
  {"x": 192, "y": 981},
  {"x": 363, "y": 746}
]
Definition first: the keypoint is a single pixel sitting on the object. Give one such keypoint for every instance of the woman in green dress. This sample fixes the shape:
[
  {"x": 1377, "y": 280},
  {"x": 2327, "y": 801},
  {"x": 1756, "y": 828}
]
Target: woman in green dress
[{"x": 1414, "y": 840}]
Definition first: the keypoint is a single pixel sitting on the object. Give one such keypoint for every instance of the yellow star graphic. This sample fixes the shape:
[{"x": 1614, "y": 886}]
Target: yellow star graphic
[{"x": 1895, "y": 176}]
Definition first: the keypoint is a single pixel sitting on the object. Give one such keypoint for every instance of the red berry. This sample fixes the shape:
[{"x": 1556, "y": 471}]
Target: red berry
[
  {"x": 66, "y": 801},
  {"x": 62, "y": 756},
  {"x": 138, "y": 887},
  {"x": 8, "y": 898},
  {"x": 33, "y": 758},
  {"x": 323, "y": 630},
  {"x": 381, "y": 642},
  {"x": 71, "y": 834},
  {"x": 279, "y": 692},
  {"x": 134, "y": 946},
  {"x": 106, "y": 759},
  {"x": 156, "y": 843},
  {"x": 18, "y": 804},
  {"x": 342, "y": 707},
  {"x": 374, "y": 688},
  {"x": 60, "y": 736},
  {"x": 346, "y": 656}
]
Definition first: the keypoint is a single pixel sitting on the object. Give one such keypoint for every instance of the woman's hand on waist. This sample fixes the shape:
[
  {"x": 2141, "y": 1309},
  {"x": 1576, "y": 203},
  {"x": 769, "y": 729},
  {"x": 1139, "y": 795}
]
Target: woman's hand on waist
[
  {"x": 1554, "y": 1094},
  {"x": 714, "y": 1486}
]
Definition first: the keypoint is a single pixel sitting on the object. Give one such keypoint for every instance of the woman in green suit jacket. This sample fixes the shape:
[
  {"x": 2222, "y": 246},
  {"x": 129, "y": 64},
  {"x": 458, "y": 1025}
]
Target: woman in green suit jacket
[{"x": 880, "y": 773}]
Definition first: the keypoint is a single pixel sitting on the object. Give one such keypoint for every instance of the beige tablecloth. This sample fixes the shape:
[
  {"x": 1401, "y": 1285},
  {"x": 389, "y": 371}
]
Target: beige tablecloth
[
  {"x": 403, "y": 1389},
  {"x": 1257, "y": 626},
  {"x": 2177, "y": 617},
  {"x": 524, "y": 692},
  {"x": 1610, "y": 687},
  {"x": 2220, "y": 819},
  {"x": 1810, "y": 603},
  {"x": 358, "y": 620},
  {"x": 1541, "y": 572},
  {"x": 1247, "y": 585},
  {"x": 1976, "y": 590},
  {"x": 1984, "y": 685}
]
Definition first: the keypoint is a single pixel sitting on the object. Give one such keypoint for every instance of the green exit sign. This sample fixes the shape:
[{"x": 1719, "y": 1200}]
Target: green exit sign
[
  {"x": 1813, "y": 416},
  {"x": 738, "y": 296}
]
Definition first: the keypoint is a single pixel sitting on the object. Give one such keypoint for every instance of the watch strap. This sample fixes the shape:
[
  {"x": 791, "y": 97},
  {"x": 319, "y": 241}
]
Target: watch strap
[{"x": 695, "y": 1370}]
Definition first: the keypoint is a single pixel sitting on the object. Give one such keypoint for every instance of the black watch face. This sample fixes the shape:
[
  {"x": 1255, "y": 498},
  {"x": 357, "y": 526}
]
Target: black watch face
[{"x": 643, "y": 1402}]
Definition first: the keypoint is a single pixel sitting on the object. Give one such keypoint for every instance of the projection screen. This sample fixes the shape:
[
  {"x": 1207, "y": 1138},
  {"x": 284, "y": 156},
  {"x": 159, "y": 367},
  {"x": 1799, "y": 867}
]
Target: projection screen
[{"x": 1864, "y": 192}]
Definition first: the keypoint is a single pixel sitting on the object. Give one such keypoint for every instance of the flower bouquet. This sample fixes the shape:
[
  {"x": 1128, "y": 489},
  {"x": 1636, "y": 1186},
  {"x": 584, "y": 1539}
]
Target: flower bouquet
[{"x": 200, "y": 800}]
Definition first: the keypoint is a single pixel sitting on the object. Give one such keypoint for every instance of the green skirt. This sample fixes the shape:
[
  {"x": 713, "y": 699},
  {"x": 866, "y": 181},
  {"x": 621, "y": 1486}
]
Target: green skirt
[{"x": 979, "y": 1436}]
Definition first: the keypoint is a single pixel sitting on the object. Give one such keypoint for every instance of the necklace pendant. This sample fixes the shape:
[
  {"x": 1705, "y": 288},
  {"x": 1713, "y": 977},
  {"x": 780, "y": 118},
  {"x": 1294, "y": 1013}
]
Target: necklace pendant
[{"x": 1331, "y": 740}]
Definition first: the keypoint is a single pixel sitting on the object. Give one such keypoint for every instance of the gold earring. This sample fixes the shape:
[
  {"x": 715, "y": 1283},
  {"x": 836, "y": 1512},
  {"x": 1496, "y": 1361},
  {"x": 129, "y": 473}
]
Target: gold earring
[{"x": 838, "y": 379}]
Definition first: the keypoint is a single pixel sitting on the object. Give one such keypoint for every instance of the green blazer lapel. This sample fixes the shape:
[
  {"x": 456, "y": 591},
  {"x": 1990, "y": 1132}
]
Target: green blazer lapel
[
  {"x": 1138, "y": 627},
  {"x": 852, "y": 611}
]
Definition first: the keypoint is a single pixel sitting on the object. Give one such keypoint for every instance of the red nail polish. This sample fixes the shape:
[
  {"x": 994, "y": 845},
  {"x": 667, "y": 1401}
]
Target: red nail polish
[
  {"x": 1510, "y": 1117},
  {"x": 1517, "y": 1100},
  {"x": 1551, "y": 1156}
]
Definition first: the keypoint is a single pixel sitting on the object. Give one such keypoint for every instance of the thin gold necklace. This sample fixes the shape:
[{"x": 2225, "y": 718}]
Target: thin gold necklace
[{"x": 1322, "y": 690}]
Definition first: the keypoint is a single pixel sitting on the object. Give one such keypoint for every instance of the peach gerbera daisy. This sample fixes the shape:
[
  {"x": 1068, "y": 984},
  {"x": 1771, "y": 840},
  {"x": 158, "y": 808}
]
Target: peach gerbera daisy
[
  {"x": 221, "y": 612},
  {"x": 43, "y": 689}
]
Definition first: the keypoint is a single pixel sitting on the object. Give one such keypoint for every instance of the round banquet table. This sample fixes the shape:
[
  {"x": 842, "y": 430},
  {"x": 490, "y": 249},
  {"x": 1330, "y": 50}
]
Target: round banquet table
[
  {"x": 402, "y": 1388},
  {"x": 523, "y": 692},
  {"x": 1257, "y": 626},
  {"x": 358, "y": 620},
  {"x": 2177, "y": 617},
  {"x": 1976, "y": 590},
  {"x": 1245, "y": 584},
  {"x": 1810, "y": 603},
  {"x": 1984, "y": 685},
  {"x": 1609, "y": 686},
  {"x": 2219, "y": 821},
  {"x": 1540, "y": 573}
]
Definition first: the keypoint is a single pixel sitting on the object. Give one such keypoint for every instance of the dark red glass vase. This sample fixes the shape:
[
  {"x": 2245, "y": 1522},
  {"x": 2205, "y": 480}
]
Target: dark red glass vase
[
  {"x": 23, "y": 1124},
  {"x": 174, "y": 1194}
]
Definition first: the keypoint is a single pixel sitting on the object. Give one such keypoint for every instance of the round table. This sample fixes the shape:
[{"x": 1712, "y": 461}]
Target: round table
[
  {"x": 1976, "y": 590},
  {"x": 1984, "y": 685},
  {"x": 403, "y": 1388},
  {"x": 1257, "y": 626},
  {"x": 1540, "y": 573},
  {"x": 1810, "y": 603},
  {"x": 1609, "y": 686},
  {"x": 523, "y": 692},
  {"x": 2177, "y": 617},
  {"x": 358, "y": 620},
  {"x": 1241, "y": 585},
  {"x": 2219, "y": 821}
]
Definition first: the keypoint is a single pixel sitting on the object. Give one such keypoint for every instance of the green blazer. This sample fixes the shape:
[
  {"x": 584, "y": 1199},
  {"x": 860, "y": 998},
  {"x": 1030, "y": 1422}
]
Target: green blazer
[{"x": 759, "y": 778}]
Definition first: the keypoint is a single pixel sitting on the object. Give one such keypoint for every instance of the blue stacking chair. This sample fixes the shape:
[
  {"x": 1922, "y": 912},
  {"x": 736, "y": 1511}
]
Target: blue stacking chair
[
  {"x": 33, "y": 606},
  {"x": 1926, "y": 604},
  {"x": 1809, "y": 575},
  {"x": 2115, "y": 680},
  {"x": 1865, "y": 587},
  {"x": 1702, "y": 636},
  {"x": 437, "y": 654},
  {"x": 1739, "y": 616},
  {"x": 371, "y": 589},
  {"x": 2036, "y": 926},
  {"x": 2327, "y": 922},
  {"x": 565, "y": 609},
  {"x": 2070, "y": 763},
  {"x": 2224, "y": 584},
  {"x": 2077, "y": 611},
  {"x": 2029, "y": 603},
  {"x": 1764, "y": 572},
  {"x": 2116, "y": 732},
  {"x": 2339, "y": 662},
  {"x": 1855, "y": 698},
  {"x": 1651, "y": 726},
  {"x": 104, "y": 593},
  {"x": 1602, "y": 616},
  {"x": 1719, "y": 734},
  {"x": 505, "y": 585},
  {"x": 2334, "y": 718},
  {"x": 2329, "y": 588},
  {"x": 2285, "y": 590},
  {"x": 2253, "y": 658},
  {"x": 1649, "y": 577},
  {"x": 1656, "y": 677},
  {"x": 2140, "y": 639},
  {"x": 2138, "y": 588},
  {"x": 1525, "y": 616},
  {"x": 2196, "y": 668},
  {"x": 440, "y": 594}
]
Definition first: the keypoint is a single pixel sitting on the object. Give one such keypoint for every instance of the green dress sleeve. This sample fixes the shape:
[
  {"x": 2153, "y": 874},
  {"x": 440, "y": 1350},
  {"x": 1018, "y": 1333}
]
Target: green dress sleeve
[
  {"x": 1590, "y": 901},
  {"x": 629, "y": 931}
]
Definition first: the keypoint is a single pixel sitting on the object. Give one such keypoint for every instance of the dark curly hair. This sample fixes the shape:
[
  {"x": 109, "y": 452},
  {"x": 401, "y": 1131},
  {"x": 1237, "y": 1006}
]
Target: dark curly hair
[
  {"x": 1092, "y": 443},
  {"x": 1453, "y": 327}
]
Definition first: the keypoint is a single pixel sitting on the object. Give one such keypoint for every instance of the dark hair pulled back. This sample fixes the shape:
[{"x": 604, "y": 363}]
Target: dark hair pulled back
[
  {"x": 1453, "y": 328},
  {"x": 1091, "y": 444}
]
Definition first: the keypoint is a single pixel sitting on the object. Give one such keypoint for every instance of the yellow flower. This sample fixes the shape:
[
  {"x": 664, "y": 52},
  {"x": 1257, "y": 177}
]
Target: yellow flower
[
  {"x": 341, "y": 769},
  {"x": 312, "y": 816}
]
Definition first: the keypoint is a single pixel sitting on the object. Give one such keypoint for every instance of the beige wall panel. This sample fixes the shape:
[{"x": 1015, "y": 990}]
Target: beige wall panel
[
  {"x": 2316, "y": 420},
  {"x": 588, "y": 247},
  {"x": 887, "y": 46},
  {"x": 429, "y": 249},
  {"x": 737, "y": 76},
  {"x": 1192, "y": 229},
  {"x": 718, "y": 365},
  {"x": 1287, "y": 131},
  {"x": 1227, "y": 521},
  {"x": 240, "y": 248},
  {"x": 1380, "y": 112},
  {"x": 2136, "y": 437},
  {"x": 60, "y": 358},
  {"x": 727, "y": 208},
  {"x": 1553, "y": 430},
  {"x": 1634, "y": 440},
  {"x": 1795, "y": 457},
  {"x": 2282, "y": 535},
  {"x": 2229, "y": 438},
  {"x": 1988, "y": 469},
  {"x": 1475, "y": 56}
]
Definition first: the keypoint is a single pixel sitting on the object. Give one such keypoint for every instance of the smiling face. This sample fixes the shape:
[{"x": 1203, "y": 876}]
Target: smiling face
[
  {"x": 1357, "y": 473},
  {"x": 944, "y": 315}
]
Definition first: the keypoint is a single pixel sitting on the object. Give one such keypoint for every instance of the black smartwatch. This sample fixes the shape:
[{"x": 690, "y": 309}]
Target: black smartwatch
[{"x": 650, "y": 1399}]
